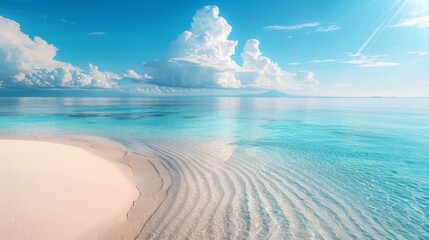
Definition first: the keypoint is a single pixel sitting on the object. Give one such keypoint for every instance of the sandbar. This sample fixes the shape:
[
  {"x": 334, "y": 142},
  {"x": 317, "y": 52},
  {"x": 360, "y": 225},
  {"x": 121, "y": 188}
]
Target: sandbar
[{"x": 52, "y": 190}]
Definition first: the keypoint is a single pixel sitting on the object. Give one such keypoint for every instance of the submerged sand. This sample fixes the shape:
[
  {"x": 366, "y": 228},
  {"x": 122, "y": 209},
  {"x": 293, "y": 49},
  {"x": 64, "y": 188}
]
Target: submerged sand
[
  {"x": 188, "y": 190},
  {"x": 74, "y": 189}
]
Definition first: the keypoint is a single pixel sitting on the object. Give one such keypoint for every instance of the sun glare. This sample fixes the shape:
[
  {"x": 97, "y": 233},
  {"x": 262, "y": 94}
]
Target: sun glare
[
  {"x": 399, "y": 10},
  {"x": 420, "y": 6}
]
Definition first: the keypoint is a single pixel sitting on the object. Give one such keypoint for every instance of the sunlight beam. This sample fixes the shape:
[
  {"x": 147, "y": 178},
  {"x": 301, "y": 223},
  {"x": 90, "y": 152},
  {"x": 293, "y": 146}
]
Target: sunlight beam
[{"x": 386, "y": 20}]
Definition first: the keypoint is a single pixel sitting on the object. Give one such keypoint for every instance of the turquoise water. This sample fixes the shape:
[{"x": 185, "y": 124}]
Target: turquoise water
[{"x": 297, "y": 168}]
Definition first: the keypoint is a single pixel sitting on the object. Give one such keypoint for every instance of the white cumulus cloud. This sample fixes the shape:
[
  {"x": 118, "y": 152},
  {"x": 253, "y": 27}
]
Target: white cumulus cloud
[
  {"x": 64, "y": 77},
  {"x": 259, "y": 71},
  {"x": 201, "y": 57},
  {"x": 28, "y": 62},
  {"x": 307, "y": 81},
  {"x": 131, "y": 74}
]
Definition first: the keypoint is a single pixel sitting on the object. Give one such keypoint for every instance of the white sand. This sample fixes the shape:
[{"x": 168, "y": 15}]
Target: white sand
[{"x": 54, "y": 191}]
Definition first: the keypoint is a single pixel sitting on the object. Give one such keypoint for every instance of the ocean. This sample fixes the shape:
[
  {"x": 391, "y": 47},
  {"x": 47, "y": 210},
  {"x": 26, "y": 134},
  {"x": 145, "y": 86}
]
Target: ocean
[{"x": 258, "y": 168}]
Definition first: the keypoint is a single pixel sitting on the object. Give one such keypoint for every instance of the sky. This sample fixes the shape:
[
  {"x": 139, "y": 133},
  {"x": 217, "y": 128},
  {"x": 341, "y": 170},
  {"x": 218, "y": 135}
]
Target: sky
[{"x": 303, "y": 47}]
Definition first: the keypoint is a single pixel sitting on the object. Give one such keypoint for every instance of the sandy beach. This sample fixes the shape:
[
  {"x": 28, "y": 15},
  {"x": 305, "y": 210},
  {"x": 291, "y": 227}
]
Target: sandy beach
[{"x": 70, "y": 188}]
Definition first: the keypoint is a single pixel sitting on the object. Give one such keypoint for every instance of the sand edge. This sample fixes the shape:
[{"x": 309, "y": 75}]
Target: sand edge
[{"x": 143, "y": 169}]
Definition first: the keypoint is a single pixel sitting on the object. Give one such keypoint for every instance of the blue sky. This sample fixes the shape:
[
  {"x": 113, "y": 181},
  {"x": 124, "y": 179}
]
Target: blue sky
[{"x": 324, "y": 41}]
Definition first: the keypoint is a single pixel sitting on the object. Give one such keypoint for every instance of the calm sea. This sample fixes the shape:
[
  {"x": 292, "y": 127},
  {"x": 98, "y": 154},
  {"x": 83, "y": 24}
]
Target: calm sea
[{"x": 294, "y": 168}]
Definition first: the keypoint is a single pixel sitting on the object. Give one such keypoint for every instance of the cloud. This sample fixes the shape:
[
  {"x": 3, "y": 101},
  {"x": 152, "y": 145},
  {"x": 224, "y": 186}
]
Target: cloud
[
  {"x": 259, "y": 71},
  {"x": 418, "y": 53},
  {"x": 314, "y": 62},
  {"x": 324, "y": 61},
  {"x": 66, "y": 21},
  {"x": 368, "y": 61},
  {"x": 66, "y": 78},
  {"x": 26, "y": 62},
  {"x": 98, "y": 34},
  {"x": 201, "y": 57},
  {"x": 131, "y": 74},
  {"x": 307, "y": 81},
  {"x": 151, "y": 89},
  {"x": 418, "y": 22},
  {"x": 292, "y": 27},
  {"x": 329, "y": 28},
  {"x": 377, "y": 64}
]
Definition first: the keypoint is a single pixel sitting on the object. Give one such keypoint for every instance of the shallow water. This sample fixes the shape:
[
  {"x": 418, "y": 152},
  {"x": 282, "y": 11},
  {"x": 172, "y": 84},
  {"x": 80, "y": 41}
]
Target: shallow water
[{"x": 264, "y": 168}]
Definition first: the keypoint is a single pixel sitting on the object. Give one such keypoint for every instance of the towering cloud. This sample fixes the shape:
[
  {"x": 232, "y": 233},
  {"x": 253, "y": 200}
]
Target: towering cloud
[
  {"x": 201, "y": 57},
  {"x": 260, "y": 72},
  {"x": 30, "y": 62}
]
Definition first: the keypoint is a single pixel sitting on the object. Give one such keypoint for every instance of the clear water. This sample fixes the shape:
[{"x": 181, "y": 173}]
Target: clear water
[{"x": 309, "y": 168}]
